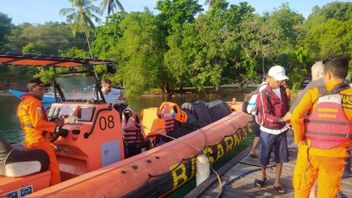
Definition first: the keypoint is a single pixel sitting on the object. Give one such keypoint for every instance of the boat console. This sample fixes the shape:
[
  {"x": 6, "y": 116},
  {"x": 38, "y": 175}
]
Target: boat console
[{"x": 94, "y": 137}]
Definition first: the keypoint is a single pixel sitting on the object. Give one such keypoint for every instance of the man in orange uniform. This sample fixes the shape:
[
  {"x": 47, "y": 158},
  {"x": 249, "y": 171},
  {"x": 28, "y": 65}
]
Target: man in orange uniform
[
  {"x": 325, "y": 136},
  {"x": 35, "y": 124}
]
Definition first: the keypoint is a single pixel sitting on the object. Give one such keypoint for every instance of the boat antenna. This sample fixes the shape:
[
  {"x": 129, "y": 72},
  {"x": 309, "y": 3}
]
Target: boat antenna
[{"x": 54, "y": 82}]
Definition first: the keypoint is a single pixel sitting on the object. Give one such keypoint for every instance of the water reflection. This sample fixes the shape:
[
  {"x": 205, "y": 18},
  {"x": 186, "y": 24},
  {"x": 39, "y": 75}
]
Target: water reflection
[
  {"x": 154, "y": 101},
  {"x": 9, "y": 125}
]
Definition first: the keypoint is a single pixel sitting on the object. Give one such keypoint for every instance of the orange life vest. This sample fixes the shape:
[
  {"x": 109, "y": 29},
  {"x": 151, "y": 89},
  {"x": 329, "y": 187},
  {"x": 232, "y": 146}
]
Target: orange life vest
[
  {"x": 174, "y": 111},
  {"x": 327, "y": 126}
]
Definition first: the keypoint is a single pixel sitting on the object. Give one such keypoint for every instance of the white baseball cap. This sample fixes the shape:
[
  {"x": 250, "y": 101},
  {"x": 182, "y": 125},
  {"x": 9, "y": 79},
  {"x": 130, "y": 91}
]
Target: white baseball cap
[{"x": 277, "y": 72}]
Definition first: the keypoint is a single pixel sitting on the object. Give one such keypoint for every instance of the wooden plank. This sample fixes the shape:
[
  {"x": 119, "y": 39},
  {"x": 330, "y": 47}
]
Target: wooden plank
[{"x": 244, "y": 187}]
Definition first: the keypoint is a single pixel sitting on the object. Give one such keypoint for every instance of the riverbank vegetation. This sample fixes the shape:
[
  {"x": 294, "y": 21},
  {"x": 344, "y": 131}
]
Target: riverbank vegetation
[{"x": 185, "y": 44}]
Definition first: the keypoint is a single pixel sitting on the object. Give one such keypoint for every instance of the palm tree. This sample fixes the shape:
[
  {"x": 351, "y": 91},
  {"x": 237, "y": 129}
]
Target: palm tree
[
  {"x": 111, "y": 5},
  {"x": 80, "y": 17},
  {"x": 210, "y": 3}
]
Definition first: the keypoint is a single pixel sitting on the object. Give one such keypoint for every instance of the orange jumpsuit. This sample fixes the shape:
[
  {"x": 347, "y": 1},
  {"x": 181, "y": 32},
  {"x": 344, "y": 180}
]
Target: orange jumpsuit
[
  {"x": 34, "y": 122},
  {"x": 325, "y": 164}
]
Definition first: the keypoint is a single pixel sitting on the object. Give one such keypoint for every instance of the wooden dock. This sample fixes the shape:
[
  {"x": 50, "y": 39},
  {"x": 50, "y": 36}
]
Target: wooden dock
[{"x": 238, "y": 180}]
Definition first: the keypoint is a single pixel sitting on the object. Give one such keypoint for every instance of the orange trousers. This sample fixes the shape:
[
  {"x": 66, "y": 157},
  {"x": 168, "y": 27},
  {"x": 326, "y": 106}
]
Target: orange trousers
[
  {"x": 54, "y": 165},
  {"x": 328, "y": 171}
]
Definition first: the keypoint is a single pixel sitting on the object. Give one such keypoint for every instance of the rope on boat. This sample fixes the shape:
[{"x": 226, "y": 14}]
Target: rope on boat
[
  {"x": 211, "y": 167},
  {"x": 231, "y": 181}
]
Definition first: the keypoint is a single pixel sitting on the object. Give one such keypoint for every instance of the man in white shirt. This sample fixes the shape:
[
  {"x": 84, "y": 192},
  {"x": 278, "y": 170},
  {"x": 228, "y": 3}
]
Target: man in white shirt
[{"x": 111, "y": 95}]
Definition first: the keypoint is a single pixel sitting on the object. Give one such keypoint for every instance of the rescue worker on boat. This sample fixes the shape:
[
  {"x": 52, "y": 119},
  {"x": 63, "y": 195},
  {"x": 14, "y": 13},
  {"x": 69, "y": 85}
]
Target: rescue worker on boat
[
  {"x": 36, "y": 126},
  {"x": 325, "y": 136}
]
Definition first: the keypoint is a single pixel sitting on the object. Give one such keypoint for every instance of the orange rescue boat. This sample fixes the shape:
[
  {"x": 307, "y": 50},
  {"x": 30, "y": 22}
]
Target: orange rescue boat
[{"x": 91, "y": 157}]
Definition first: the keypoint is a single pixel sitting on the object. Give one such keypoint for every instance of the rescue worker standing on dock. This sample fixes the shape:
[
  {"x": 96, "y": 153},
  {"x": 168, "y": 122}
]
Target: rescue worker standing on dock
[
  {"x": 324, "y": 137},
  {"x": 36, "y": 126}
]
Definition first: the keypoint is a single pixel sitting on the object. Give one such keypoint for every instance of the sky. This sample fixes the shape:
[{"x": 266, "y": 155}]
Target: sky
[{"x": 41, "y": 11}]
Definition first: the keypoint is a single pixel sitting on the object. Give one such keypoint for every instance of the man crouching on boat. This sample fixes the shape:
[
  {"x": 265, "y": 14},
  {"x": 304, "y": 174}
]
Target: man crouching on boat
[{"x": 35, "y": 124}]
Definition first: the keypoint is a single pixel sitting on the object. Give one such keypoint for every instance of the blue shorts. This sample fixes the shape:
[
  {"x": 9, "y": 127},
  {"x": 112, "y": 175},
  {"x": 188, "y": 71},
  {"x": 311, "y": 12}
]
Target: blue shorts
[
  {"x": 269, "y": 142},
  {"x": 256, "y": 127}
]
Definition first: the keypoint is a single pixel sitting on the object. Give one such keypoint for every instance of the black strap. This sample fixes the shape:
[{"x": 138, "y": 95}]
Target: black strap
[
  {"x": 267, "y": 94},
  {"x": 336, "y": 90}
]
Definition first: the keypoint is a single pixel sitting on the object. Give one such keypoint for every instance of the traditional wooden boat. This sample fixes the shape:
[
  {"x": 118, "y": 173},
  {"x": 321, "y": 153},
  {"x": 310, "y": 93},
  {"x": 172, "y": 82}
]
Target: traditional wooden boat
[
  {"x": 91, "y": 157},
  {"x": 47, "y": 100}
]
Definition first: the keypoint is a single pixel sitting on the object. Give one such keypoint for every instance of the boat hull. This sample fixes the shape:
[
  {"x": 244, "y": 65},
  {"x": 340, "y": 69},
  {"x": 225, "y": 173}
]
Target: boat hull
[{"x": 160, "y": 170}]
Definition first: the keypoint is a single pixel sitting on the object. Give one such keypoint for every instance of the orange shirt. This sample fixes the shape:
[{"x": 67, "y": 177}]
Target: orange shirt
[
  {"x": 33, "y": 120},
  {"x": 298, "y": 115}
]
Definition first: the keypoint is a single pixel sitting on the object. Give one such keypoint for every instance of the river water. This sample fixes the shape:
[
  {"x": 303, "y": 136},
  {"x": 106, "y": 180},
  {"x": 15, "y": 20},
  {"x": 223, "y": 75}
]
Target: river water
[{"x": 10, "y": 128}]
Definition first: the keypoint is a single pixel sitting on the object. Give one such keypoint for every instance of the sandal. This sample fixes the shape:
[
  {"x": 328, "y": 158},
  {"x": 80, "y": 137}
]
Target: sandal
[
  {"x": 253, "y": 156},
  {"x": 280, "y": 189},
  {"x": 259, "y": 183}
]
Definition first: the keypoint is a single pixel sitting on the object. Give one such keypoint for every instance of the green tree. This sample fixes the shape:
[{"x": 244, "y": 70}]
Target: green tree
[
  {"x": 174, "y": 13},
  {"x": 328, "y": 31},
  {"x": 297, "y": 63},
  {"x": 5, "y": 30},
  {"x": 133, "y": 41},
  {"x": 260, "y": 41},
  {"x": 330, "y": 38},
  {"x": 31, "y": 48},
  {"x": 141, "y": 53},
  {"x": 46, "y": 38},
  {"x": 81, "y": 17},
  {"x": 340, "y": 11},
  {"x": 74, "y": 52},
  {"x": 173, "y": 17},
  {"x": 107, "y": 38},
  {"x": 290, "y": 23}
]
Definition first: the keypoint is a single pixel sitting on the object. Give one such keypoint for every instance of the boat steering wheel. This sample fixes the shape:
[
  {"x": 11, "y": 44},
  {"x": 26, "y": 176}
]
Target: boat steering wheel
[{"x": 58, "y": 132}]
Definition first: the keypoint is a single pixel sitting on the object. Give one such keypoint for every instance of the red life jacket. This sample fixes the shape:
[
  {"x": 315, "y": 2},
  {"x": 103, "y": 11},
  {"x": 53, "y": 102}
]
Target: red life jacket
[
  {"x": 166, "y": 114},
  {"x": 327, "y": 126},
  {"x": 131, "y": 126}
]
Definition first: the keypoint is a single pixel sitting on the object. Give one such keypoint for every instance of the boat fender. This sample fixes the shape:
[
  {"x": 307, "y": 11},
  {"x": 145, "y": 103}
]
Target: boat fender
[{"x": 203, "y": 168}]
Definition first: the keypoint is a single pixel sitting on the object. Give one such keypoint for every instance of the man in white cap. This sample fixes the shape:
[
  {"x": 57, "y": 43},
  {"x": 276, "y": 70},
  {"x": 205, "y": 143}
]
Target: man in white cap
[{"x": 273, "y": 104}]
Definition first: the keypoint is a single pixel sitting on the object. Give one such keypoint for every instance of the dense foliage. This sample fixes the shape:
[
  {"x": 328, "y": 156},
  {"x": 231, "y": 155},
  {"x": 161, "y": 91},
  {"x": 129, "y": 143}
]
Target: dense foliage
[{"x": 184, "y": 45}]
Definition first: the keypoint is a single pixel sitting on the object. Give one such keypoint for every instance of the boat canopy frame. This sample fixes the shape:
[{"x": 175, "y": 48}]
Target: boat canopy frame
[{"x": 39, "y": 60}]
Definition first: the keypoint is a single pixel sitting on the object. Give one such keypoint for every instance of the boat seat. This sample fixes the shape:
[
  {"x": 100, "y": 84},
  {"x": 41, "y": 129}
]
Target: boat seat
[{"x": 23, "y": 185}]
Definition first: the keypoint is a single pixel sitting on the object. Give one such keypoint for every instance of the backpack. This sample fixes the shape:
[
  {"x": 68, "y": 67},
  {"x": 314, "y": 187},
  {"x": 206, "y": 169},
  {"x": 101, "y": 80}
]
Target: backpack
[
  {"x": 200, "y": 110},
  {"x": 249, "y": 105},
  {"x": 218, "y": 109}
]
